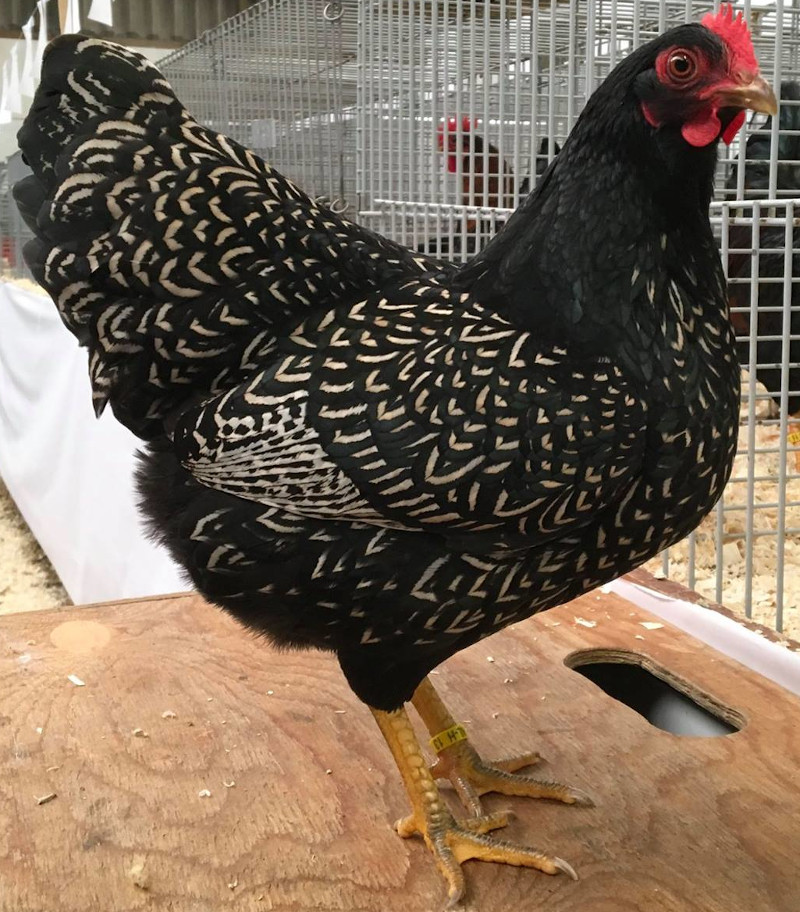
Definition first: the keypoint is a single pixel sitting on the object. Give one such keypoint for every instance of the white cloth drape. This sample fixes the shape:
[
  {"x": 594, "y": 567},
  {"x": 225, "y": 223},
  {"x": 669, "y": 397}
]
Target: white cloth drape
[{"x": 70, "y": 474}]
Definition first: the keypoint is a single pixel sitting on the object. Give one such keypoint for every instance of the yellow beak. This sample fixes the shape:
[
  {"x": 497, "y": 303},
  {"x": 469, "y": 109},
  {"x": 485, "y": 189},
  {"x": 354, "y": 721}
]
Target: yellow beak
[{"x": 756, "y": 95}]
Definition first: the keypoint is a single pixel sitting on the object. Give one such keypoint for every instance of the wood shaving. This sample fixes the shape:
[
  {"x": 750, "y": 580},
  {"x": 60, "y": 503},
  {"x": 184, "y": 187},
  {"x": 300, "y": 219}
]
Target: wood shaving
[
  {"x": 731, "y": 554},
  {"x": 584, "y": 623},
  {"x": 74, "y": 679},
  {"x": 490, "y": 658},
  {"x": 169, "y": 714},
  {"x": 229, "y": 783},
  {"x": 650, "y": 625},
  {"x": 29, "y": 582},
  {"x": 204, "y": 793},
  {"x": 137, "y": 874},
  {"x": 45, "y": 799},
  {"x": 139, "y": 733},
  {"x": 233, "y": 884}
]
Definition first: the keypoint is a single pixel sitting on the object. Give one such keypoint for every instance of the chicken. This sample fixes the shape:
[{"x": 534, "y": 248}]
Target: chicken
[
  {"x": 487, "y": 180},
  {"x": 759, "y": 146},
  {"x": 351, "y": 450},
  {"x": 486, "y": 177},
  {"x": 771, "y": 243}
]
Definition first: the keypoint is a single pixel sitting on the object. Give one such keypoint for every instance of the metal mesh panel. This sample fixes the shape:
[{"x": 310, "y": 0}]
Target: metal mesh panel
[
  {"x": 281, "y": 78},
  {"x": 746, "y": 555},
  {"x": 13, "y": 231},
  {"x": 7, "y": 245},
  {"x": 462, "y": 102},
  {"x": 500, "y": 84}
]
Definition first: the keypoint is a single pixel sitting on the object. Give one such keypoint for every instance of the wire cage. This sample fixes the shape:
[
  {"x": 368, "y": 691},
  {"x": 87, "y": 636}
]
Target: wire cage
[
  {"x": 463, "y": 104},
  {"x": 13, "y": 231},
  {"x": 281, "y": 79},
  {"x": 429, "y": 121}
]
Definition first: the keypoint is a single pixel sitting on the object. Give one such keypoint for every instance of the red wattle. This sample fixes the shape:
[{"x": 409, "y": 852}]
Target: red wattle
[
  {"x": 704, "y": 129},
  {"x": 733, "y": 128}
]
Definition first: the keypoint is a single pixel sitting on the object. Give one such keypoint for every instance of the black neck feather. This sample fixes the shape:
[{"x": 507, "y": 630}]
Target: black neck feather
[{"x": 620, "y": 199}]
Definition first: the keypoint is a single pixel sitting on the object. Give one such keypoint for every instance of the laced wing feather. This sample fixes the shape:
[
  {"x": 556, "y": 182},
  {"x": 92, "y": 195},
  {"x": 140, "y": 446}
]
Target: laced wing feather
[{"x": 427, "y": 414}]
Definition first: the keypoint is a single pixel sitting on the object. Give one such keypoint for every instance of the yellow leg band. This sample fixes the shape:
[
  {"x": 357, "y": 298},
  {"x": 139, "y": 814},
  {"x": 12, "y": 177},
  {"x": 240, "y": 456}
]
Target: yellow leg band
[{"x": 448, "y": 737}]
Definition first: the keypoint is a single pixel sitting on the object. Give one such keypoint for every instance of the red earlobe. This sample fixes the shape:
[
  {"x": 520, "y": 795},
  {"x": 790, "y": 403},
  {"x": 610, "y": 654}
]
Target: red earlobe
[{"x": 649, "y": 116}]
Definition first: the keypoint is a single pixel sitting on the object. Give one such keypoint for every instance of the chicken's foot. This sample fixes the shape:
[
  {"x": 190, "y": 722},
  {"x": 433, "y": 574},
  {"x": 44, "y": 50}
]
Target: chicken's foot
[
  {"x": 469, "y": 774},
  {"x": 451, "y": 842}
]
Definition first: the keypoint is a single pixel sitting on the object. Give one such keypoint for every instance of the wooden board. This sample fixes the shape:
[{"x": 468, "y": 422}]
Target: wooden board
[{"x": 302, "y": 788}]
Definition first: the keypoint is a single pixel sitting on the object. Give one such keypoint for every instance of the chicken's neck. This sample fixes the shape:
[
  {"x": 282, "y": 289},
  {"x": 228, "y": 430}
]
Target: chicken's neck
[{"x": 614, "y": 246}]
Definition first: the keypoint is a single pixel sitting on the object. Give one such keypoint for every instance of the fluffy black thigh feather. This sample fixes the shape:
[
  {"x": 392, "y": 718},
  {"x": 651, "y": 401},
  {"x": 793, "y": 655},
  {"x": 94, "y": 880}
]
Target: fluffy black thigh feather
[{"x": 272, "y": 590}]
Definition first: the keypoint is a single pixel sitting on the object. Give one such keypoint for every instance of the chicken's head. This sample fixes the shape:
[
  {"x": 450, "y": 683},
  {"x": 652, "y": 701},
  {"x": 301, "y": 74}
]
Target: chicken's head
[
  {"x": 448, "y": 138},
  {"x": 704, "y": 78}
]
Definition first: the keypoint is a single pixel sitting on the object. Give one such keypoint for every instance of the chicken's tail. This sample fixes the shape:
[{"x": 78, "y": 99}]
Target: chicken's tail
[
  {"x": 90, "y": 139},
  {"x": 85, "y": 82},
  {"x": 173, "y": 253}
]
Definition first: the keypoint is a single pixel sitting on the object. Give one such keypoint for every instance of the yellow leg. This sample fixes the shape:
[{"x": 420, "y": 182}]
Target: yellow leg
[
  {"x": 471, "y": 776},
  {"x": 450, "y": 842}
]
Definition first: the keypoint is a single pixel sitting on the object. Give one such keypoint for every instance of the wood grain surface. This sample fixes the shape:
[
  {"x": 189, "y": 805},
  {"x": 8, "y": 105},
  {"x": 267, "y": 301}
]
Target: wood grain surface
[{"x": 198, "y": 770}]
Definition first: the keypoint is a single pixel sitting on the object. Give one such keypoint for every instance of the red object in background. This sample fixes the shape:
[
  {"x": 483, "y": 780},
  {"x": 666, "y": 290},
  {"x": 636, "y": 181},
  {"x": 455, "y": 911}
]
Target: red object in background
[{"x": 8, "y": 251}]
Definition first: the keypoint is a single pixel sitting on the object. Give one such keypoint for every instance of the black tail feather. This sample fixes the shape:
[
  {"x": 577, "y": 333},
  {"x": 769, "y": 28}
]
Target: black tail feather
[
  {"x": 29, "y": 195},
  {"x": 84, "y": 79}
]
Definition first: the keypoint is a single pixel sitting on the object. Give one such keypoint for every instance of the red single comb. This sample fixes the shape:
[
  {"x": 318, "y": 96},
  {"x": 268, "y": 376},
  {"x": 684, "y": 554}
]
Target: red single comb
[
  {"x": 452, "y": 125},
  {"x": 734, "y": 32}
]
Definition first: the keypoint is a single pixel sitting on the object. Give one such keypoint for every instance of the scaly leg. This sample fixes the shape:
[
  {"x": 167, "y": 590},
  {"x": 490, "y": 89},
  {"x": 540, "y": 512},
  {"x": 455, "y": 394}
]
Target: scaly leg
[
  {"x": 471, "y": 776},
  {"x": 452, "y": 843}
]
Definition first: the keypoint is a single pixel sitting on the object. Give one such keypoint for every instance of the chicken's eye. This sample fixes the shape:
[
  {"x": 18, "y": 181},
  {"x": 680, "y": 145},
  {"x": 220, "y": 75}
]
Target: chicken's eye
[{"x": 681, "y": 66}]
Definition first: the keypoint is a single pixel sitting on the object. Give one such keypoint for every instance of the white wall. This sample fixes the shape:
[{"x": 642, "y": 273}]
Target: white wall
[{"x": 8, "y": 132}]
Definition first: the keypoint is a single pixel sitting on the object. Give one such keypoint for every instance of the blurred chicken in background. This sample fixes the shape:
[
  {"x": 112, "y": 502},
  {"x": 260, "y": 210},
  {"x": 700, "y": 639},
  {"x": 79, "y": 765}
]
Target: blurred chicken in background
[
  {"x": 487, "y": 181},
  {"x": 770, "y": 260}
]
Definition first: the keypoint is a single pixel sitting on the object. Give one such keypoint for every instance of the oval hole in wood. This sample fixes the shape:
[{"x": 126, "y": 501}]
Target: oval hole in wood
[{"x": 666, "y": 700}]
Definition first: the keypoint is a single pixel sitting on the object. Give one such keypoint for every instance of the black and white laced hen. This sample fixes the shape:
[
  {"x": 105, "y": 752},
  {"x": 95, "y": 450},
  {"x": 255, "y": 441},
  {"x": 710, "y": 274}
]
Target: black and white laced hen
[{"x": 353, "y": 448}]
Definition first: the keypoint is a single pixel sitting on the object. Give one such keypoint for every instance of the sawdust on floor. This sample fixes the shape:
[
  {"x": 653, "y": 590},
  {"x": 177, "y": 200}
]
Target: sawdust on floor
[
  {"x": 27, "y": 579},
  {"x": 760, "y": 586}
]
